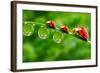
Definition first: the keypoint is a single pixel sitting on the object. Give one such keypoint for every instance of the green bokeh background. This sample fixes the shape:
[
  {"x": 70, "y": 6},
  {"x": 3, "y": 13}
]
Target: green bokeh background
[{"x": 36, "y": 49}]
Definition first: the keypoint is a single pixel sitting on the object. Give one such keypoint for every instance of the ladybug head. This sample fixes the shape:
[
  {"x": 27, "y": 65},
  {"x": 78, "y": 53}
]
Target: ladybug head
[
  {"x": 64, "y": 28},
  {"x": 51, "y": 24}
]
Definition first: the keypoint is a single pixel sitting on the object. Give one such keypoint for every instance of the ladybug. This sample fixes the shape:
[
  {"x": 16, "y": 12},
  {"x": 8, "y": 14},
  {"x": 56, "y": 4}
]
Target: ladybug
[
  {"x": 81, "y": 31},
  {"x": 64, "y": 28},
  {"x": 51, "y": 24}
]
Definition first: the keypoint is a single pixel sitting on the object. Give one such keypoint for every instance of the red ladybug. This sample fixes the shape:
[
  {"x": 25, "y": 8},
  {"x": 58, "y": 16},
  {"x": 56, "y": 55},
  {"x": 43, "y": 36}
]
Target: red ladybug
[
  {"x": 51, "y": 24},
  {"x": 81, "y": 31},
  {"x": 64, "y": 28}
]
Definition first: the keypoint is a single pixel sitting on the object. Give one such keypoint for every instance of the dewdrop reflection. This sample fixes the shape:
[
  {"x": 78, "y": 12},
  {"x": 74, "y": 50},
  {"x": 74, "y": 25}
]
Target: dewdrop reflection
[
  {"x": 43, "y": 32},
  {"x": 58, "y": 36}
]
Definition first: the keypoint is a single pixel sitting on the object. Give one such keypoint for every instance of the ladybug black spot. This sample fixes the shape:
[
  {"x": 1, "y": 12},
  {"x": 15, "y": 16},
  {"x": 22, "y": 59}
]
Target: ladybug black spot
[{"x": 83, "y": 34}]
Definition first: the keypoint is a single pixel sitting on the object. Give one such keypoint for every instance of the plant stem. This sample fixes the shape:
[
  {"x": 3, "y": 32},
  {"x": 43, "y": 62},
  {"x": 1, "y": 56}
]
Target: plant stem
[
  {"x": 33, "y": 22},
  {"x": 70, "y": 33},
  {"x": 77, "y": 36}
]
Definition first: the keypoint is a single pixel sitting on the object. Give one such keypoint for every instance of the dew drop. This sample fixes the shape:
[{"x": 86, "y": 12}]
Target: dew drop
[
  {"x": 43, "y": 32},
  {"x": 28, "y": 29},
  {"x": 58, "y": 36}
]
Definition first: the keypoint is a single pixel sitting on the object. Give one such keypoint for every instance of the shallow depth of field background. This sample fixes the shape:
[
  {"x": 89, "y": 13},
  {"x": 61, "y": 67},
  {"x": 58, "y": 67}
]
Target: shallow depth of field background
[{"x": 36, "y": 49}]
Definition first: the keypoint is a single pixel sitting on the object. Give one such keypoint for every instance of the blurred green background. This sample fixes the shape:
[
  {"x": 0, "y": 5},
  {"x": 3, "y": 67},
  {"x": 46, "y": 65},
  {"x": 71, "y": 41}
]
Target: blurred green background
[{"x": 36, "y": 49}]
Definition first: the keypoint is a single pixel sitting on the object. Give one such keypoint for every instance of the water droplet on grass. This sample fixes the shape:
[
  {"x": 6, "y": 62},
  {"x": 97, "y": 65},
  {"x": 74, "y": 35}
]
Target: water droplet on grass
[
  {"x": 58, "y": 36},
  {"x": 43, "y": 32},
  {"x": 28, "y": 29}
]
